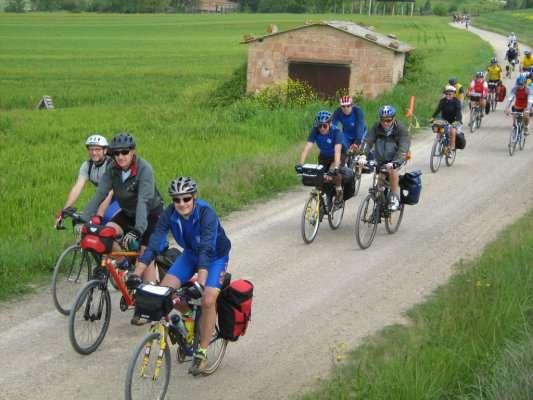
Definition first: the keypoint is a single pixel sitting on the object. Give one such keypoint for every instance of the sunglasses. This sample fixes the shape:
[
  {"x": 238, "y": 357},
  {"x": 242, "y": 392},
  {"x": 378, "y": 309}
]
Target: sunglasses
[
  {"x": 123, "y": 152},
  {"x": 323, "y": 126},
  {"x": 348, "y": 106},
  {"x": 386, "y": 119},
  {"x": 180, "y": 200},
  {"x": 447, "y": 93}
]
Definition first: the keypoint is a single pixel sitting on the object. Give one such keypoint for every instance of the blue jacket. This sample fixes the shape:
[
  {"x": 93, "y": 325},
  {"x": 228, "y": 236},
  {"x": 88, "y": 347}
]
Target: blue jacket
[
  {"x": 201, "y": 234},
  {"x": 326, "y": 143},
  {"x": 353, "y": 125}
]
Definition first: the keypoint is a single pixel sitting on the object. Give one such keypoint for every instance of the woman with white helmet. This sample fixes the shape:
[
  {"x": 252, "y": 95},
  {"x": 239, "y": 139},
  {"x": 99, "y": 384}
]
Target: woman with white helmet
[
  {"x": 449, "y": 108},
  {"x": 92, "y": 170}
]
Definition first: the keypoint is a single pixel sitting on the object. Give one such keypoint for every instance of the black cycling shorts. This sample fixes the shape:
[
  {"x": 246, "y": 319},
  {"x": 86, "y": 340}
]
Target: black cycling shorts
[{"x": 127, "y": 224}]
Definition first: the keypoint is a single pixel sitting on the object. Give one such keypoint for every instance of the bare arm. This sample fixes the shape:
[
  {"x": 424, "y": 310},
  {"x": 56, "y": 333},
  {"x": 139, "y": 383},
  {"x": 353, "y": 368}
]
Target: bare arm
[
  {"x": 337, "y": 158},
  {"x": 75, "y": 192},
  {"x": 307, "y": 148},
  {"x": 103, "y": 206}
]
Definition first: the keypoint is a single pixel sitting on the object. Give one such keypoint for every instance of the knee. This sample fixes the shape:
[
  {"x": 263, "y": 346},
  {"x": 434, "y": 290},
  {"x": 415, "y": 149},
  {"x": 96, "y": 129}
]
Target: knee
[{"x": 209, "y": 300}]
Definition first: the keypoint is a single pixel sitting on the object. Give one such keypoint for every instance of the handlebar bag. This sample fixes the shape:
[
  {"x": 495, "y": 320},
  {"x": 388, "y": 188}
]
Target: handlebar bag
[
  {"x": 153, "y": 302},
  {"x": 97, "y": 238},
  {"x": 312, "y": 174},
  {"x": 411, "y": 187}
]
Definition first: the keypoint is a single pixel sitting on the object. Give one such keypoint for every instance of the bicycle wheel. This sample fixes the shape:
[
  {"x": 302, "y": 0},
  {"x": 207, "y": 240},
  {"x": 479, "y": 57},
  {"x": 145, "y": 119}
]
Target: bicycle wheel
[
  {"x": 450, "y": 157},
  {"x": 493, "y": 101},
  {"x": 89, "y": 317},
  {"x": 522, "y": 140},
  {"x": 436, "y": 155},
  {"x": 472, "y": 121},
  {"x": 394, "y": 219},
  {"x": 357, "y": 181},
  {"x": 310, "y": 219},
  {"x": 72, "y": 270},
  {"x": 479, "y": 119},
  {"x": 366, "y": 223},
  {"x": 215, "y": 352},
  {"x": 335, "y": 215},
  {"x": 512, "y": 140},
  {"x": 144, "y": 379}
]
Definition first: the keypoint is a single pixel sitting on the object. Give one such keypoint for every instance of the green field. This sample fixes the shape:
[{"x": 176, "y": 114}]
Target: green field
[
  {"x": 154, "y": 75},
  {"x": 518, "y": 21}
]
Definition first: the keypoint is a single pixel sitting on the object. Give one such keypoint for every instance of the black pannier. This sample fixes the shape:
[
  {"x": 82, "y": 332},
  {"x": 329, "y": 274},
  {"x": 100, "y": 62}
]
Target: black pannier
[{"x": 411, "y": 187}]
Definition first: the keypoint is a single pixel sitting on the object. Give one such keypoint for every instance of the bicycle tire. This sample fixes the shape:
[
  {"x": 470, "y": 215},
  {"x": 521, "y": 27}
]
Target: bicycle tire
[
  {"x": 436, "y": 155},
  {"x": 522, "y": 140},
  {"x": 335, "y": 216},
  {"x": 310, "y": 218},
  {"x": 367, "y": 220},
  {"x": 472, "y": 121},
  {"x": 357, "y": 182},
  {"x": 511, "y": 146},
  {"x": 392, "y": 226},
  {"x": 84, "y": 312},
  {"x": 450, "y": 158},
  {"x": 135, "y": 370},
  {"x": 72, "y": 270},
  {"x": 215, "y": 351}
]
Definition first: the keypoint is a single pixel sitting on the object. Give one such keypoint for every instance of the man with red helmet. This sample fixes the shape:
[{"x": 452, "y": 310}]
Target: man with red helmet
[
  {"x": 479, "y": 89},
  {"x": 352, "y": 120}
]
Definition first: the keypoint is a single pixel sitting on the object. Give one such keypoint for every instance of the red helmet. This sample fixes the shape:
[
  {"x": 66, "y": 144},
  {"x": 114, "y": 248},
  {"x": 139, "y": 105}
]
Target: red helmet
[{"x": 346, "y": 101}]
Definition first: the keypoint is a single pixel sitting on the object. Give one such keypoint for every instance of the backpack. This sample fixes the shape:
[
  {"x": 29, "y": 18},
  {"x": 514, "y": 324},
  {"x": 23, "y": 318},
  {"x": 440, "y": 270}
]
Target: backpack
[
  {"x": 501, "y": 91},
  {"x": 234, "y": 308}
]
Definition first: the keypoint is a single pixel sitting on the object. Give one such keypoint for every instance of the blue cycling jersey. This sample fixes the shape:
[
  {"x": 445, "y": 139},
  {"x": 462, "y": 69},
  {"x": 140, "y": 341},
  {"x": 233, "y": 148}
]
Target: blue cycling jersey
[
  {"x": 353, "y": 125},
  {"x": 326, "y": 143}
]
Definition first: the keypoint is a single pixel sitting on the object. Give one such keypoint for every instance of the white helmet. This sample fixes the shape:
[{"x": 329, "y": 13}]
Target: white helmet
[
  {"x": 449, "y": 88},
  {"x": 96, "y": 140}
]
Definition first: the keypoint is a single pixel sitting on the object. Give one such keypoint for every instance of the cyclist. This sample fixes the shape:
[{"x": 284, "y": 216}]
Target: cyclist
[
  {"x": 527, "y": 61},
  {"x": 391, "y": 142},
  {"x": 197, "y": 229},
  {"x": 132, "y": 180},
  {"x": 518, "y": 101},
  {"x": 330, "y": 142},
  {"x": 512, "y": 40},
  {"x": 352, "y": 120},
  {"x": 479, "y": 88},
  {"x": 459, "y": 90},
  {"x": 449, "y": 108},
  {"x": 494, "y": 72},
  {"x": 92, "y": 170},
  {"x": 511, "y": 55}
]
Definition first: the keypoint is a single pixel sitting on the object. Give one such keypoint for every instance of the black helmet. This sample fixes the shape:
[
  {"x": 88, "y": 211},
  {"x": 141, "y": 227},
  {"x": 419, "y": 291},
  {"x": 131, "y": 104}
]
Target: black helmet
[
  {"x": 182, "y": 185},
  {"x": 452, "y": 81},
  {"x": 122, "y": 140}
]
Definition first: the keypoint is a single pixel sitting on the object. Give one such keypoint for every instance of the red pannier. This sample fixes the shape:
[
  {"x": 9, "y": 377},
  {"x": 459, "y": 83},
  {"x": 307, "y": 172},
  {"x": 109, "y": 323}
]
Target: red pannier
[
  {"x": 501, "y": 91},
  {"x": 97, "y": 238},
  {"x": 234, "y": 308}
]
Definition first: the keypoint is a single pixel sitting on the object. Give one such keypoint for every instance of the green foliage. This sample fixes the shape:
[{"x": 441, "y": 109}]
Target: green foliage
[
  {"x": 504, "y": 22},
  {"x": 470, "y": 340},
  {"x": 290, "y": 93},
  {"x": 440, "y": 10},
  {"x": 15, "y": 6},
  {"x": 230, "y": 90}
]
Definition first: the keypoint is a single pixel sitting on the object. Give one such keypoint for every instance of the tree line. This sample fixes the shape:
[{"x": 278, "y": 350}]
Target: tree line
[{"x": 261, "y": 6}]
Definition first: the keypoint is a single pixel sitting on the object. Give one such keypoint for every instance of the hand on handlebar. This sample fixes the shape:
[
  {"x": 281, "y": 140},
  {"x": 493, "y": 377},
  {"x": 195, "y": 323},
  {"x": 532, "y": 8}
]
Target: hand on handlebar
[
  {"x": 298, "y": 168},
  {"x": 362, "y": 160},
  {"x": 58, "y": 224},
  {"x": 131, "y": 240},
  {"x": 332, "y": 172}
]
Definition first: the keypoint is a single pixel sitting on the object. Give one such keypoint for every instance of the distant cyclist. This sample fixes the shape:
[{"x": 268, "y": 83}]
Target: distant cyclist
[
  {"x": 352, "y": 120},
  {"x": 332, "y": 150},
  {"x": 527, "y": 62},
  {"x": 511, "y": 55},
  {"x": 479, "y": 89},
  {"x": 450, "y": 110},
  {"x": 518, "y": 101},
  {"x": 91, "y": 171},
  {"x": 512, "y": 41},
  {"x": 459, "y": 90},
  {"x": 390, "y": 140}
]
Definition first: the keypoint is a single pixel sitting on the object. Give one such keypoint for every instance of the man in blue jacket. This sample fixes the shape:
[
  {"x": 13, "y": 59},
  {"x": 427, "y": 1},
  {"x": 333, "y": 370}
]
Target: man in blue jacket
[
  {"x": 352, "y": 120},
  {"x": 197, "y": 230}
]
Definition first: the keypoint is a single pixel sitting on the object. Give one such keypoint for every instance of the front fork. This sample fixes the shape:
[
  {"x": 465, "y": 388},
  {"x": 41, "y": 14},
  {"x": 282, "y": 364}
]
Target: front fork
[{"x": 161, "y": 329}]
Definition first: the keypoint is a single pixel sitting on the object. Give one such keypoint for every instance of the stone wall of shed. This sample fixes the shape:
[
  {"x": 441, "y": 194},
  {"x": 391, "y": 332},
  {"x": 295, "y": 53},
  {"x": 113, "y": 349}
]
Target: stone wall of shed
[{"x": 374, "y": 69}]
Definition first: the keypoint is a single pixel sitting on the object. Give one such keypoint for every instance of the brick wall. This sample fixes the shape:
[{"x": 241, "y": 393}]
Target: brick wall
[{"x": 374, "y": 69}]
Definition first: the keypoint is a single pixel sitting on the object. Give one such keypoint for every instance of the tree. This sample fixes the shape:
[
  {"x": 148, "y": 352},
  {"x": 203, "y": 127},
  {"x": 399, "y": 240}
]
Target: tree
[{"x": 15, "y": 6}]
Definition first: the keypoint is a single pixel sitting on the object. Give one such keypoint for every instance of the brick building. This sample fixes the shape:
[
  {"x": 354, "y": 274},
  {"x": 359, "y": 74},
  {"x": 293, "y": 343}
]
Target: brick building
[
  {"x": 216, "y": 6},
  {"x": 328, "y": 55}
]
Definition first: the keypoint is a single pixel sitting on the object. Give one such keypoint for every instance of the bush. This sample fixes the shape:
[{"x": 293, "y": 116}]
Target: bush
[
  {"x": 286, "y": 93},
  {"x": 230, "y": 91},
  {"x": 440, "y": 10}
]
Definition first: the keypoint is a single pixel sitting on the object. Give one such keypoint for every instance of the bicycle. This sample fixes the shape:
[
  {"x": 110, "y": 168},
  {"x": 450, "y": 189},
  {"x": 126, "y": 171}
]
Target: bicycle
[
  {"x": 352, "y": 156},
  {"x": 441, "y": 146},
  {"x": 73, "y": 268},
  {"x": 492, "y": 95},
  {"x": 321, "y": 202},
  {"x": 510, "y": 67},
  {"x": 476, "y": 113},
  {"x": 375, "y": 207},
  {"x": 517, "y": 136},
  {"x": 148, "y": 372}
]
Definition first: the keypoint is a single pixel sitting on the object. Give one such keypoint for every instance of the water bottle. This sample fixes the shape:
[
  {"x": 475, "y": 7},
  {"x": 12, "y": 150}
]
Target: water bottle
[
  {"x": 177, "y": 322},
  {"x": 189, "y": 326}
]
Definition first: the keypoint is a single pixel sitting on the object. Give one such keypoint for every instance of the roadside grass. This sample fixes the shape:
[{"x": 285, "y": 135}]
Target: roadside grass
[
  {"x": 153, "y": 75},
  {"x": 505, "y": 22},
  {"x": 470, "y": 340}
]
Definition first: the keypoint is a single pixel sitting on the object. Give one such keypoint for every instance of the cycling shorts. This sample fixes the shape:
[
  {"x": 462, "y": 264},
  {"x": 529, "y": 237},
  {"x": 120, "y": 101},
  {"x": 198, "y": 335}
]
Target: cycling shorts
[
  {"x": 514, "y": 109},
  {"x": 127, "y": 224},
  {"x": 187, "y": 265},
  {"x": 110, "y": 211}
]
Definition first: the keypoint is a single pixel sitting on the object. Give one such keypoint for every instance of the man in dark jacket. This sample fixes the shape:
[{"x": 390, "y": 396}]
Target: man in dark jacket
[
  {"x": 449, "y": 108},
  {"x": 131, "y": 179},
  {"x": 391, "y": 142}
]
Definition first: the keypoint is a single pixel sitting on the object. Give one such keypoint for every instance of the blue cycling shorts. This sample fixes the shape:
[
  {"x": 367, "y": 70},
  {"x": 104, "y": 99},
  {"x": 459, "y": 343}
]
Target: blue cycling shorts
[
  {"x": 112, "y": 209},
  {"x": 187, "y": 265}
]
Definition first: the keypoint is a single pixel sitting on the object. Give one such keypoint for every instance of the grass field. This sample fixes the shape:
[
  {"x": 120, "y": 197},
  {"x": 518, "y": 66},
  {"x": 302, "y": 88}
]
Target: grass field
[
  {"x": 471, "y": 340},
  {"x": 153, "y": 75},
  {"x": 518, "y": 21}
]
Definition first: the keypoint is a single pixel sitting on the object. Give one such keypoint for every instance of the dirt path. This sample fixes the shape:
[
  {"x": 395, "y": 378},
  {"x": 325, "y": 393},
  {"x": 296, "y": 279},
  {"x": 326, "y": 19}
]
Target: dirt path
[{"x": 308, "y": 297}]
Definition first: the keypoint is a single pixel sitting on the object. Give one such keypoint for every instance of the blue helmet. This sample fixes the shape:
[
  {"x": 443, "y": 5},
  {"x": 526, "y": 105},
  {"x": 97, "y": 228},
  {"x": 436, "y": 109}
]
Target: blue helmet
[
  {"x": 386, "y": 112},
  {"x": 521, "y": 80},
  {"x": 322, "y": 117}
]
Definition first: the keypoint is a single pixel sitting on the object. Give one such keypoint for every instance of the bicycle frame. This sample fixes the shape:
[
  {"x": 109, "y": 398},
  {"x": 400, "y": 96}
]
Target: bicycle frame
[{"x": 109, "y": 263}]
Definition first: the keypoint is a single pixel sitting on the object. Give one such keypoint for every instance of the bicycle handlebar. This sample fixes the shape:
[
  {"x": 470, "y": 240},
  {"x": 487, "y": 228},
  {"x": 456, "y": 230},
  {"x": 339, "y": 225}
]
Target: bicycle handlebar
[{"x": 70, "y": 212}]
